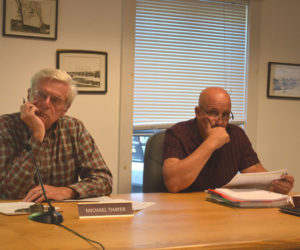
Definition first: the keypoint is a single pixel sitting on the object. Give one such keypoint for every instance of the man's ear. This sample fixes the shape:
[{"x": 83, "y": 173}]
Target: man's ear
[
  {"x": 197, "y": 110},
  {"x": 28, "y": 94},
  {"x": 66, "y": 108}
]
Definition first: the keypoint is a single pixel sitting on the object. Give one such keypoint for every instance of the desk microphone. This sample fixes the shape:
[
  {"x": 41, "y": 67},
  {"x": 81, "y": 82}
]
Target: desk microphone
[{"x": 51, "y": 216}]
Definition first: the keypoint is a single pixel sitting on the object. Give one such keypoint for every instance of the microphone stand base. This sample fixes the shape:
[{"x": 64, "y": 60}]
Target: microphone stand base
[{"x": 49, "y": 217}]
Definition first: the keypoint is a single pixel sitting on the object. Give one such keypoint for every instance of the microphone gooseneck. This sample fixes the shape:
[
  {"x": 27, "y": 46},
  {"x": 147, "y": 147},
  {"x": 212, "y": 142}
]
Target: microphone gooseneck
[{"x": 51, "y": 216}]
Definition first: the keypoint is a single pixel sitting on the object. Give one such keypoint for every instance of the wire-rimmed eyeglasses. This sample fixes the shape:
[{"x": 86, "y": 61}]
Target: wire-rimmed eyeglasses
[
  {"x": 215, "y": 115},
  {"x": 55, "y": 100}
]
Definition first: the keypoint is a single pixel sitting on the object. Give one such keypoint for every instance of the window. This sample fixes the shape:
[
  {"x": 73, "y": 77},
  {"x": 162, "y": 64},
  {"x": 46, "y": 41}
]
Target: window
[
  {"x": 139, "y": 140},
  {"x": 182, "y": 47}
]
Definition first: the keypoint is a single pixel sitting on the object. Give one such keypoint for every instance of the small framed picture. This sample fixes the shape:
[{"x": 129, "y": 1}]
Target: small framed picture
[
  {"x": 30, "y": 19},
  {"x": 87, "y": 68},
  {"x": 283, "y": 80}
]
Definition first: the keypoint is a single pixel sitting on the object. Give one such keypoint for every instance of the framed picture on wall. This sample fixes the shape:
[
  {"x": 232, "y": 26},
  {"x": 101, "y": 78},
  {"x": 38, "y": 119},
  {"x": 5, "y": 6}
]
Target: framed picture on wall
[
  {"x": 30, "y": 19},
  {"x": 283, "y": 80},
  {"x": 87, "y": 68}
]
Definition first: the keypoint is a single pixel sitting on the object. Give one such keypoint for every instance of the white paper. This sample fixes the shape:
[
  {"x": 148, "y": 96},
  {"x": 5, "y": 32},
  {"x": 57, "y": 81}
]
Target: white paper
[
  {"x": 259, "y": 180},
  {"x": 139, "y": 205},
  {"x": 252, "y": 194},
  {"x": 136, "y": 205},
  {"x": 10, "y": 207}
]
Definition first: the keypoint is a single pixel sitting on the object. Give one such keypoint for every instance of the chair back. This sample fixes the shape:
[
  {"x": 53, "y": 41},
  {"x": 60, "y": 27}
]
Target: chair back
[{"x": 152, "y": 178}]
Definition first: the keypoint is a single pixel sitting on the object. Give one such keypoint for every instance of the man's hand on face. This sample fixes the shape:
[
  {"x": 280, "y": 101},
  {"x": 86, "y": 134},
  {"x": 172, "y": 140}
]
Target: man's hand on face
[
  {"x": 53, "y": 193},
  {"x": 216, "y": 135},
  {"x": 35, "y": 124}
]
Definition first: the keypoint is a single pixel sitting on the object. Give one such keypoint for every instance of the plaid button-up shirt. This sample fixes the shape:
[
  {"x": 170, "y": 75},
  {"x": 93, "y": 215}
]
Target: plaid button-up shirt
[{"x": 67, "y": 152}]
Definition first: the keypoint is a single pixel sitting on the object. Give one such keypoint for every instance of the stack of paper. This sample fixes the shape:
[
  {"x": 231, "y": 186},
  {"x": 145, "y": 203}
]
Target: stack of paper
[
  {"x": 249, "y": 190},
  {"x": 247, "y": 197}
]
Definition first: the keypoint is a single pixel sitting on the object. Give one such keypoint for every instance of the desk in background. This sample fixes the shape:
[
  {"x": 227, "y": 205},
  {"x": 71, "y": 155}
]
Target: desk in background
[{"x": 175, "y": 221}]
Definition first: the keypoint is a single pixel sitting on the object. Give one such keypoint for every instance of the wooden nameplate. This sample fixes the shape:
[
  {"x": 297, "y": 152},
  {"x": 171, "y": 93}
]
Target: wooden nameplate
[{"x": 104, "y": 209}]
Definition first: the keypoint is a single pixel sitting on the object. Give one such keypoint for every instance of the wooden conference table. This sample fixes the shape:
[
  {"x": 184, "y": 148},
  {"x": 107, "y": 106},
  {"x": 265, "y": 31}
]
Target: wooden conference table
[{"x": 180, "y": 221}]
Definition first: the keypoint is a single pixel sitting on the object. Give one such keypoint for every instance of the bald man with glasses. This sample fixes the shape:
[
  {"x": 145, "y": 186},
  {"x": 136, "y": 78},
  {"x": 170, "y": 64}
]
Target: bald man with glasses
[{"x": 208, "y": 151}]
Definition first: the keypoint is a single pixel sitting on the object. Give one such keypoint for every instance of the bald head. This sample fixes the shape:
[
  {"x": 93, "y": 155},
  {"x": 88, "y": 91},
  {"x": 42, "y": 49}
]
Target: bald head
[
  {"x": 214, "y": 109},
  {"x": 214, "y": 95}
]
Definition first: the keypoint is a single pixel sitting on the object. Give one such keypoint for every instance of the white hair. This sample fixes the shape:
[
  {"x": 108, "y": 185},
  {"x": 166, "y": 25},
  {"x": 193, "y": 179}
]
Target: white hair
[{"x": 54, "y": 74}]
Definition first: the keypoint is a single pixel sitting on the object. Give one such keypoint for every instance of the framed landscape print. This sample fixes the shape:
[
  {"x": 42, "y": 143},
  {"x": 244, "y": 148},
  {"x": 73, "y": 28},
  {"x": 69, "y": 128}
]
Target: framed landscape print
[
  {"x": 283, "y": 80},
  {"x": 30, "y": 18},
  {"x": 87, "y": 68}
]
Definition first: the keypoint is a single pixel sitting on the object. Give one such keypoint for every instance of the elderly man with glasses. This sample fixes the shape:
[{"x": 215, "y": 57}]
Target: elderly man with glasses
[
  {"x": 70, "y": 163},
  {"x": 208, "y": 151}
]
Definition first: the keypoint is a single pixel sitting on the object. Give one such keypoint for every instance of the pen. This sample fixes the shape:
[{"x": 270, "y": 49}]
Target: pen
[{"x": 24, "y": 100}]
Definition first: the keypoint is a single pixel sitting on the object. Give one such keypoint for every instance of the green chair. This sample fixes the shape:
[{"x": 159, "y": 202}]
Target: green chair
[{"x": 153, "y": 178}]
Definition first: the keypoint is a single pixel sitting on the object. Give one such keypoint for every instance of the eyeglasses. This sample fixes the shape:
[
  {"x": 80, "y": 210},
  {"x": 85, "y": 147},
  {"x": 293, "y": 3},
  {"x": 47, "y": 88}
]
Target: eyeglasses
[
  {"x": 226, "y": 116},
  {"x": 55, "y": 100}
]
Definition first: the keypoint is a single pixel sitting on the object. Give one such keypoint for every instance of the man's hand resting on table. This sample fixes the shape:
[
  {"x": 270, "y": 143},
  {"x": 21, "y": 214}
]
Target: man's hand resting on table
[{"x": 53, "y": 193}]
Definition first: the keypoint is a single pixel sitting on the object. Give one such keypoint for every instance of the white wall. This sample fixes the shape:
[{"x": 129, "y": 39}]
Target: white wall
[
  {"x": 273, "y": 124},
  {"x": 84, "y": 25}
]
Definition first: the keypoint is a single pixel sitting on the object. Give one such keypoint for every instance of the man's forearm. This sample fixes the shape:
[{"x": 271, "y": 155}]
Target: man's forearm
[
  {"x": 96, "y": 186},
  {"x": 180, "y": 174}
]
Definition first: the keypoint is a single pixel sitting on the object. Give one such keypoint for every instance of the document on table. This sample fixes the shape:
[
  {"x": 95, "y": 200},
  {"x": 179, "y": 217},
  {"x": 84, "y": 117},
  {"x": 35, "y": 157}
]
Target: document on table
[
  {"x": 251, "y": 194},
  {"x": 260, "y": 180},
  {"x": 9, "y": 208},
  {"x": 247, "y": 197},
  {"x": 136, "y": 205}
]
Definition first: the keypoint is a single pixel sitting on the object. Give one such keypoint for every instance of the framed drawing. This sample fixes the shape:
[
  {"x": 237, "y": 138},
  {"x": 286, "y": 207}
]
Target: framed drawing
[
  {"x": 30, "y": 18},
  {"x": 87, "y": 68},
  {"x": 283, "y": 80}
]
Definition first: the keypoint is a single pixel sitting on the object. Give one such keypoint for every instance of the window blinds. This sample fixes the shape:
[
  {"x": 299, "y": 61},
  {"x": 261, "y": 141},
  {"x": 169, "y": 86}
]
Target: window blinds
[{"x": 182, "y": 47}]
